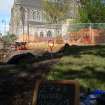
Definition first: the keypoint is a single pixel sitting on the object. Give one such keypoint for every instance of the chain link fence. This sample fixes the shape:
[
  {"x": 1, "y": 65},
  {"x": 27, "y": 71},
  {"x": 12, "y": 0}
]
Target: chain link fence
[
  {"x": 85, "y": 34},
  {"x": 73, "y": 34},
  {"x": 78, "y": 34}
]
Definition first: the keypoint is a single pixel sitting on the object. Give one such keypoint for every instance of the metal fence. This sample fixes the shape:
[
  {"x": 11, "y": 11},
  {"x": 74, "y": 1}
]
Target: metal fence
[
  {"x": 79, "y": 33},
  {"x": 86, "y": 33},
  {"x": 73, "y": 34}
]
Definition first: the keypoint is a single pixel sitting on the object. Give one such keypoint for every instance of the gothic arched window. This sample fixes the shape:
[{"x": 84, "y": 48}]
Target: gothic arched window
[
  {"x": 38, "y": 15},
  {"x": 41, "y": 34},
  {"x": 34, "y": 15},
  {"x": 49, "y": 34}
]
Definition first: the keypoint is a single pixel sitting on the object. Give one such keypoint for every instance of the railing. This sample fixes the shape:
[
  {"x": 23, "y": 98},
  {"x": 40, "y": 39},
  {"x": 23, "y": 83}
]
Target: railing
[
  {"x": 85, "y": 33},
  {"x": 78, "y": 33}
]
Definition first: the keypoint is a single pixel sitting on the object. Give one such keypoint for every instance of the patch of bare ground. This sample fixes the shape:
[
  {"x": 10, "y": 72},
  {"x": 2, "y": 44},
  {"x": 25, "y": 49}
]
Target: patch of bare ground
[{"x": 16, "y": 86}]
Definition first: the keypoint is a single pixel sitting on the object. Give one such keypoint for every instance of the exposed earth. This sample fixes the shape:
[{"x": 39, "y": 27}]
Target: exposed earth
[
  {"x": 85, "y": 63},
  {"x": 17, "y": 82}
]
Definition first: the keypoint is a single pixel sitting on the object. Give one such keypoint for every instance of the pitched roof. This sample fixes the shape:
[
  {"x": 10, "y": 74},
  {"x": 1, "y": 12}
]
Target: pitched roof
[{"x": 29, "y": 3}]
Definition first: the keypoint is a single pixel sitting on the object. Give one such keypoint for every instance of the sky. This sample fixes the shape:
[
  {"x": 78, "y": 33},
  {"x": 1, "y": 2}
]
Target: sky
[{"x": 5, "y": 13}]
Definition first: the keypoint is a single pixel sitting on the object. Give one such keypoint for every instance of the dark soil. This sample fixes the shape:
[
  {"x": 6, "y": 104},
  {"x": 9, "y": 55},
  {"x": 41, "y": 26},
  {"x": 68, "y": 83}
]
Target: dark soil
[{"x": 17, "y": 82}]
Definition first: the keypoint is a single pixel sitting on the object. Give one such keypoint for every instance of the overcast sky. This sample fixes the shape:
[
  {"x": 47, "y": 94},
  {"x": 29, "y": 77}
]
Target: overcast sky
[{"x": 5, "y": 11}]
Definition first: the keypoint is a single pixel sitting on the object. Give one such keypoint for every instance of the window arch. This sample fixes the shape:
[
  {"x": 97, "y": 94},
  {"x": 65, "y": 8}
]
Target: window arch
[
  {"x": 38, "y": 15},
  {"x": 34, "y": 14},
  {"x": 41, "y": 34},
  {"x": 49, "y": 34}
]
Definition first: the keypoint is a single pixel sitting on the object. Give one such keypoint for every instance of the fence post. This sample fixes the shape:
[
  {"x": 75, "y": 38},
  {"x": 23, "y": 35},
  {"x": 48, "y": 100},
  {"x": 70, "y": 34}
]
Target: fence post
[{"x": 91, "y": 33}]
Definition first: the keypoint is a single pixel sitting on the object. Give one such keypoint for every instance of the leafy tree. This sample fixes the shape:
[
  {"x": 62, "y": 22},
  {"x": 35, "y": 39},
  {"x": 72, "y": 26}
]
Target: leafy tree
[
  {"x": 9, "y": 38},
  {"x": 55, "y": 11},
  {"x": 92, "y": 11}
]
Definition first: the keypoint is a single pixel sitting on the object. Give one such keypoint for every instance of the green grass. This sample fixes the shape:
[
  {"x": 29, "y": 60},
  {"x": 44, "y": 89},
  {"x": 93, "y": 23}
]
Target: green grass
[{"x": 86, "y": 64}]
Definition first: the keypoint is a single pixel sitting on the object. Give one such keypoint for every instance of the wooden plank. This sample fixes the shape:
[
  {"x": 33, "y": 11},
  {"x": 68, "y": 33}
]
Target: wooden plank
[{"x": 59, "y": 92}]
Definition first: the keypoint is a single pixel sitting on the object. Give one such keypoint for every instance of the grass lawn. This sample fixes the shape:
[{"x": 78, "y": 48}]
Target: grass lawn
[{"x": 86, "y": 64}]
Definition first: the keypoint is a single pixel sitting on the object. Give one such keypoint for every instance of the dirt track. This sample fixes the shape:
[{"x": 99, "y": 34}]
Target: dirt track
[{"x": 17, "y": 82}]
